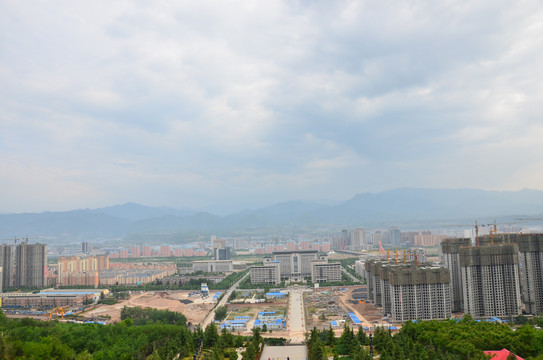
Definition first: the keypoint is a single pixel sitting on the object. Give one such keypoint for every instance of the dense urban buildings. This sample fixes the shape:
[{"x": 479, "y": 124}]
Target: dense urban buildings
[
  {"x": 81, "y": 270},
  {"x": 96, "y": 270}
]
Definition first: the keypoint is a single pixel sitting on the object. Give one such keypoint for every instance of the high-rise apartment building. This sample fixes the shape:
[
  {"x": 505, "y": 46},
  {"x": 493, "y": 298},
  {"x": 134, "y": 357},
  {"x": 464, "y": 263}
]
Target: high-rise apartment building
[
  {"x": 221, "y": 254},
  {"x": 219, "y": 249},
  {"x": 358, "y": 239},
  {"x": 7, "y": 262},
  {"x": 135, "y": 251},
  {"x": 422, "y": 293},
  {"x": 490, "y": 276},
  {"x": 405, "y": 291},
  {"x": 395, "y": 237},
  {"x": 146, "y": 251},
  {"x": 31, "y": 265},
  {"x": 531, "y": 271},
  {"x": 165, "y": 250},
  {"x": 373, "y": 279},
  {"x": 345, "y": 240},
  {"x": 451, "y": 249},
  {"x": 86, "y": 247}
]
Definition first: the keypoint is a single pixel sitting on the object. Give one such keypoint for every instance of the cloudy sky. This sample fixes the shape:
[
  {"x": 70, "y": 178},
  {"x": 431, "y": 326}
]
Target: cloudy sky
[{"x": 234, "y": 104}]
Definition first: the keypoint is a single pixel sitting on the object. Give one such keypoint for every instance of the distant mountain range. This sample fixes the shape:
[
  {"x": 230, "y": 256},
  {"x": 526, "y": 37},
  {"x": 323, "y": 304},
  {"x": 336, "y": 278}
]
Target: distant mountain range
[{"x": 407, "y": 208}]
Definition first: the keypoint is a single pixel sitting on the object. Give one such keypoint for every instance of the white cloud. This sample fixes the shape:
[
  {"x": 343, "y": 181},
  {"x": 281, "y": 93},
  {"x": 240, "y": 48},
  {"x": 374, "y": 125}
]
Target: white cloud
[{"x": 197, "y": 102}]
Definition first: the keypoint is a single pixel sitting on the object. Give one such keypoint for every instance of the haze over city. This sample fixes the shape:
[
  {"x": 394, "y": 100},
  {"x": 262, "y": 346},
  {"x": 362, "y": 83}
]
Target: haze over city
[{"x": 233, "y": 105}]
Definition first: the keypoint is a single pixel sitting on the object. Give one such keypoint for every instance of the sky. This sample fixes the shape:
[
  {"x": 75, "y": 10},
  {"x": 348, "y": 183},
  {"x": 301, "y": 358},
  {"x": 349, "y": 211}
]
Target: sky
[{"x": 229, "y": 105}]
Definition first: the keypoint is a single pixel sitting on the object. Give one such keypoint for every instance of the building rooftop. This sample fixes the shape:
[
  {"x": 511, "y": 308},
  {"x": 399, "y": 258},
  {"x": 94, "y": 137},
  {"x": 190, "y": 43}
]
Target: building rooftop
[{"x": 501, "y": 354}]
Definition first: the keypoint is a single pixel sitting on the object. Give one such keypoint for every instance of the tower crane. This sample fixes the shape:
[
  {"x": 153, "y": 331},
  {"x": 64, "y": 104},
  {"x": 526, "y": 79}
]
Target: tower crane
[
  {"x": 477, "y": 225},
  {"x": 493, "y": 230}
]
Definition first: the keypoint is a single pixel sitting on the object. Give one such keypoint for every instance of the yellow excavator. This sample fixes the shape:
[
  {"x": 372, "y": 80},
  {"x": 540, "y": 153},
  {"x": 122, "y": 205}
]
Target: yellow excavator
[{"x": 59, "y": 311}]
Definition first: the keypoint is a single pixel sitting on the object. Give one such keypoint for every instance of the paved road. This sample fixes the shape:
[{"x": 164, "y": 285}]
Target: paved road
[
  {"x": 211, "y": 316},
  {"x": 296, "y": 317},
  {"x": 296, "y": 352},
  {"x": 351, "y": 275}
]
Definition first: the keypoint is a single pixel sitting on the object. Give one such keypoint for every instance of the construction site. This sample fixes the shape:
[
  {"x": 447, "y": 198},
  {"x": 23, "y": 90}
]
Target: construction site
[
  {"x": 189, "y": 303},
  {"x": 331, "y": 307}
]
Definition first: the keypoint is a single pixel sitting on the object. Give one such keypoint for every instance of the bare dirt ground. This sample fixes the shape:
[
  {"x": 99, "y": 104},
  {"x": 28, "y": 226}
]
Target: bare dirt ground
[
  {"x": 335, "y": 304},
  {"x": 365, "y": 312},
  {"x": 195, "y": 311}
]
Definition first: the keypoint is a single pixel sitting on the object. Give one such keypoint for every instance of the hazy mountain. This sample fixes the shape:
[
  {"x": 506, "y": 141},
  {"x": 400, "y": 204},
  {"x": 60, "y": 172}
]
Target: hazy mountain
[
  {"x": 280, "y": 214},
  {"x": 402, "y": 207},
  {"x": 77, "y": 224},
  {"x": 135, "y": 212},
  {"x": 196, "y": 222}
]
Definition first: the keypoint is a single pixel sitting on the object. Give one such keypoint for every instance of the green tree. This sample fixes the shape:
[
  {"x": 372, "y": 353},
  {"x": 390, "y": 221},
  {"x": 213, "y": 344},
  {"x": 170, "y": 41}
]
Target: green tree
[
  {"x": 330, "y": 337},
  {"x": 154, "y": 356},
  {"x": 220, "y": 313},
  {"x": 211, "y": 336},
  {"x": 227, "y": 338}
]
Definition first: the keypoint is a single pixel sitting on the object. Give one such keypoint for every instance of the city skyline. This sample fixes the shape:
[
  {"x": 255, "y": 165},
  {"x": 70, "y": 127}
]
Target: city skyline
[{"x": 207, "y": 104}]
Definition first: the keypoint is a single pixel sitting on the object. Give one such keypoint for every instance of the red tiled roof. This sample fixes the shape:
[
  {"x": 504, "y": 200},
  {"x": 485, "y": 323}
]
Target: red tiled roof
[{"x": 501, "y": 354}]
